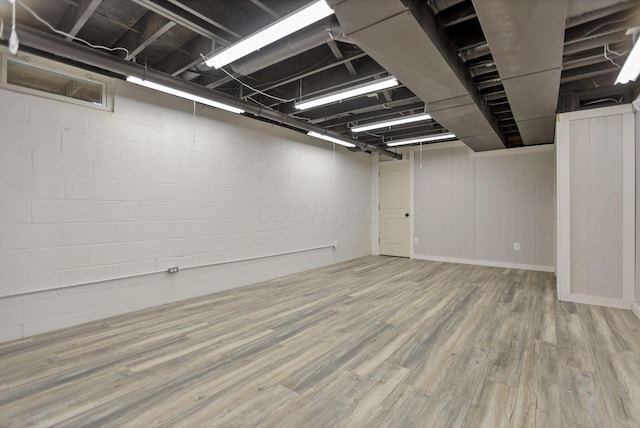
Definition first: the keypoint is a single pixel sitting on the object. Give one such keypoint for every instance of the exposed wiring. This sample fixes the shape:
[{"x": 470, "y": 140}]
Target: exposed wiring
[
  {"x": 14, "y": 42},
  {"x": 282, "y": 100},
  {"x": 36, "y": 16},
  {"x": 610, "y": 60},
  {"x": 609, "y": 50},
  {"x": 600, "y": 26},
  {"x": 258, "y": 102},
  {"x": 603, "y": 100}
]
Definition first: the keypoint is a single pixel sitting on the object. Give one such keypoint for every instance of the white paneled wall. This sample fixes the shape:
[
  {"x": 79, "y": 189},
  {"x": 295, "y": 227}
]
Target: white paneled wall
[
  {"x": 88, "y": 195},
  {"x": 636, "y": 304},
  {"x": 596, "y": 206},
  {"x": 472, "y": 207}
]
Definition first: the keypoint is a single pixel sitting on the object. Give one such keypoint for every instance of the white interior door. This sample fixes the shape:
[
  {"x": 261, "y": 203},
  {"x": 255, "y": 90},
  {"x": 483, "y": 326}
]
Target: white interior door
[{"x": 395, "y": 200}]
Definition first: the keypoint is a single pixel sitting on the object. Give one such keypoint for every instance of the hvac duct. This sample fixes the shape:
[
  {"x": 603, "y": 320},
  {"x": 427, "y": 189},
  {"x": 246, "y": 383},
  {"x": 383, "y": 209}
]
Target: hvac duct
[
  {"x": 56, "y": 46},
  {"x": 303, "y": 41},
  {"x": 406, "y": 40},
  {"x": 526, "y": 39}
]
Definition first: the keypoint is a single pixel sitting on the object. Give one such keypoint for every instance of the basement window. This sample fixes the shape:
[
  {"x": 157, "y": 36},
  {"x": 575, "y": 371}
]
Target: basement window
[{"x": 37, "y": 76}]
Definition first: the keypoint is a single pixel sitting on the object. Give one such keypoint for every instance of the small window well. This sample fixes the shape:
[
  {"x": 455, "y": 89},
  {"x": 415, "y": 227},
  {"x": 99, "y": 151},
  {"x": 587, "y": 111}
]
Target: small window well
[{"x": 50, "y": 79}]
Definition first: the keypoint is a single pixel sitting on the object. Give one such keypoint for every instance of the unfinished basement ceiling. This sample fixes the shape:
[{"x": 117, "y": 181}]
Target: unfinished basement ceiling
[{"x": 494, "y": 72}]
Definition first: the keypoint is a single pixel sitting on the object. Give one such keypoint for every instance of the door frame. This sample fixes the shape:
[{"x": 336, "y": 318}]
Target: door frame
[{"x": 375, "y": 202}]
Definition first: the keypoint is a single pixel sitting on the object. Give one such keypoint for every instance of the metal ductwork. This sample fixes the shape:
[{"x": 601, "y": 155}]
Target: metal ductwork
[
  {"x": 305, "y": 40},
  {"x": 408, "y": 42},
  {"x": 526, "y": 40},
  {"x": 62, "y": 48}
]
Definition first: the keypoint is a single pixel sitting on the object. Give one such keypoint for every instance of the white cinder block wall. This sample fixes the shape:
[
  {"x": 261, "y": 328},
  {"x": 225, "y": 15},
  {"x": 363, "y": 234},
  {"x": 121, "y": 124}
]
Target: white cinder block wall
[
  {"x": 472, "y": 207},
  {"x": 89, "y": 195}
]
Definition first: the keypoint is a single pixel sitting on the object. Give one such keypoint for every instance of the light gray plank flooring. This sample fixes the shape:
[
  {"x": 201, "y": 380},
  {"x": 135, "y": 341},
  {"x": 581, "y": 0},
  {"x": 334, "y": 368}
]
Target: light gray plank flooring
[{"x": 376, "y": 341}]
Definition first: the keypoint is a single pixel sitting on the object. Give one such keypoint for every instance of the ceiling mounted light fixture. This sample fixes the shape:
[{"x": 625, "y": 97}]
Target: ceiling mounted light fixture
[
  {"x": 366, "y": 88},
  {"x": 631, "y": 68},
  {"x": 424, "y": 139},
  {"x": 283, "y": 27},
  {"x": 392, "y": 122},
  {"x": 182, "y": 94},
  {"x": 330, "y": 139}
]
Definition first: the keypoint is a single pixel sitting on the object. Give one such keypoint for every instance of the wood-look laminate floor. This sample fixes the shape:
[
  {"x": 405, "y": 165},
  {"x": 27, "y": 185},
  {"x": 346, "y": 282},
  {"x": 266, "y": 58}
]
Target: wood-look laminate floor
[{"x": 372, "y": 342}]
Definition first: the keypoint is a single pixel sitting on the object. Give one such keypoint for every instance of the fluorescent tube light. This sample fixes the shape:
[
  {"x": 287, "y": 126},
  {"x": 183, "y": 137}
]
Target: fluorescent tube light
[
  {"x": 422, "y": 139},
  {"x": 392, "y": 122},
  {"x": 354, "y": 91},
  {"x": 182, "y": 94},
  {"x": 631, "y": 68},
  {"x": 329, "y": 138},
  {"x": 289, "y": 24}
]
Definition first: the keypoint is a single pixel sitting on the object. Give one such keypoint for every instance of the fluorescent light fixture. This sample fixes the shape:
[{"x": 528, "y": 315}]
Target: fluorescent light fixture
[
  {"x": 182, "y": 94},
  {"x": 392, "y": 122},
  {"x": 424, "y": 139},
  {"x": 352, "y": 92},
  {"x": 289, "y": 24},
  {"x": 631, "y": 68},
  {"x": 329, "y": 138}
]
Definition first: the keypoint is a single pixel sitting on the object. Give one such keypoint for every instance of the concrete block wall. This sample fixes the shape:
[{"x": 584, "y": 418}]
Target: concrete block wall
[{"x": 88, "y": 195}]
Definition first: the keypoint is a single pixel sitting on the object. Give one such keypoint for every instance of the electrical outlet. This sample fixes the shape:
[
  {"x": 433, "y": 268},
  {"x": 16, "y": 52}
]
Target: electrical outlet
[
  {"x": 516, "y": 246},
  {"x": 415, "y": 240},
  {"x": 173, "y": 269}
]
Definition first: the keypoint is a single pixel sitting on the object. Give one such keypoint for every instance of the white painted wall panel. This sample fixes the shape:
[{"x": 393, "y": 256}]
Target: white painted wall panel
[
  {"x": 596, "y": 229},
  {"x": 637, "y": 270},
  {"x": 472, "y": 207},
  {"x": 514, "y": 199},
  {"x": 88, "y": 195},
  {"x": 596, "y": 206},
  {"x": 444, "y": 203}
]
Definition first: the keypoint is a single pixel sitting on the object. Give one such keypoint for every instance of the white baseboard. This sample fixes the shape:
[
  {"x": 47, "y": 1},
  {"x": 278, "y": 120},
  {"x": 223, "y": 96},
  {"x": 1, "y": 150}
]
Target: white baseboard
[
  {"x": 490, "y": 263},
  {"x": 595, "y": 300},
  {"x": 636, "y": 309}
]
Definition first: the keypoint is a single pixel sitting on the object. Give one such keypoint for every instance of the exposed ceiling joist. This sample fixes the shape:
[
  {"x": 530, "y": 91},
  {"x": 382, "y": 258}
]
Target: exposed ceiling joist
[
  {"x": 75, "y": 17},
  {"x": 179, "y": 15}
]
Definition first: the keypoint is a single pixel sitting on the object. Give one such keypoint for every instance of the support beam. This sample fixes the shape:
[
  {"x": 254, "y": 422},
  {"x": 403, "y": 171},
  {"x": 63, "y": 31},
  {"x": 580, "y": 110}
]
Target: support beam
[
  {"x": 187, "y": 20},
  {"x": 265, "y": 8},
  {"x": 310, "y": 73},
  {"x": 205, "y": 18},
  {"x": 338, "y": 54},
  {"x": 148, "y": 29},
  {"x": 186, "y": 57},
  {"x": 75, "y": 17}
]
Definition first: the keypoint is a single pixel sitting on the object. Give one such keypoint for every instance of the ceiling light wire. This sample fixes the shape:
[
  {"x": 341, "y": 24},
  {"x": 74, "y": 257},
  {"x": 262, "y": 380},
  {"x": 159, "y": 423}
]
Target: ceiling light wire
[
  {"x": 603, "y": 100},
  {"x": 282, "y": 100},
  {"x": 610, "y": 59},
  {"x": 600, "y": 26},
  {"x": 611, "y": 51},
  {"x": 51, "y": 27}
]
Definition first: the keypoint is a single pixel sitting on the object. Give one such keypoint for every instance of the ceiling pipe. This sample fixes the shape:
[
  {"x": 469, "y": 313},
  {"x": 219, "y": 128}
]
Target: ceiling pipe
[
  {"x": 56, "y": 46},
  {"x": 306, "y": 40},
  {"x": 302, "y": 41}
]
